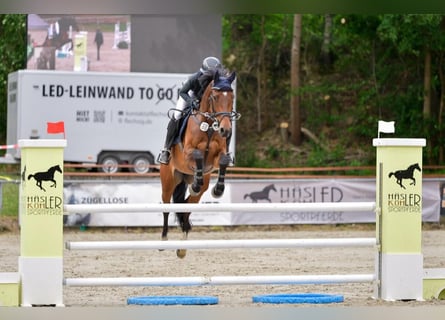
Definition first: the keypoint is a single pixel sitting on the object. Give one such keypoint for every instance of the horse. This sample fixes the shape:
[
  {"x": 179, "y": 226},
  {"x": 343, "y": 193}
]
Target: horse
[
  {"x": 202, "y": 150},
  {"x": 45, "y": 176},
  {"x": 261, "y": 195},
  {"x": 405, "y": 174},
  {"x": 46, "y": 59},
  {"x": 58, "y": 40}
]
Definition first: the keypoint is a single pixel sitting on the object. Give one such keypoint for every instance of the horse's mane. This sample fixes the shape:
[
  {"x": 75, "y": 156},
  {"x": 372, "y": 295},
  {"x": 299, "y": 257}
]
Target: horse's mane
[{"x": 206, "y": 78}]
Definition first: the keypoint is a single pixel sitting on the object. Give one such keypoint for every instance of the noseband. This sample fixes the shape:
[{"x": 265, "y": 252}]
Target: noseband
[{"x": 212, "y": 116}]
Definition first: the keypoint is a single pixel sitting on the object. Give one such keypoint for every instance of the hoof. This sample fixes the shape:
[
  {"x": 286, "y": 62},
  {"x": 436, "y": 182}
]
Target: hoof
[
  {"x": 180, "y": 253},
  {"x": 217, "y": 192},
  {"x": 194, "y": 191},
  {"x": 163, "y": 238}
]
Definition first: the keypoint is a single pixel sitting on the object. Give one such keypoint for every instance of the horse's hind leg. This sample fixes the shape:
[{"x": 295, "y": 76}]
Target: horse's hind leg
[
  {"x": 218, "y": 189},
  {"x": 168, "y": 185},
  {"x": 165, "y": 226},
  {"x": 184, "y": 222},
  {"x": 183, "y": 217},
  {"x": 39, "y": 184}
]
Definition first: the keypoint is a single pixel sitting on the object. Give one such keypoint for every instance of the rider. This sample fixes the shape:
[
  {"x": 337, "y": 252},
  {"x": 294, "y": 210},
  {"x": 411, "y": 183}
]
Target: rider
[{"x": 190, "y": 95}]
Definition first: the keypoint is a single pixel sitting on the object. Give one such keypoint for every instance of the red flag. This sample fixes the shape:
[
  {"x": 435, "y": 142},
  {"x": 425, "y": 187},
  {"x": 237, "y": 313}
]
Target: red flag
[{"x": 56, "y": 127}]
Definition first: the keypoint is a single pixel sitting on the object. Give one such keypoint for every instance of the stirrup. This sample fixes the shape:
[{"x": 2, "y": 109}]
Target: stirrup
[{"x": 164, "y": 156}]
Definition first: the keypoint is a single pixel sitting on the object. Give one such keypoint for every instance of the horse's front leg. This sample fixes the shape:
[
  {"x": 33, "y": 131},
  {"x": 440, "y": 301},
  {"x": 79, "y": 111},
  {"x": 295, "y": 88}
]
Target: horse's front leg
[
  {"x": 195, "y": 187},
  {"x": 218, "y": 189},
  {"x": 54, "y": 183}
]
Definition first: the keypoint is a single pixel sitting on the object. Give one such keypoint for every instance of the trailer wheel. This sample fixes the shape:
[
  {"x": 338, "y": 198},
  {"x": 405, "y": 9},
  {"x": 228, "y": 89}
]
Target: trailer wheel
[
  {"x": 141, "y": 163},
  {"x": 110, "y": 163}
]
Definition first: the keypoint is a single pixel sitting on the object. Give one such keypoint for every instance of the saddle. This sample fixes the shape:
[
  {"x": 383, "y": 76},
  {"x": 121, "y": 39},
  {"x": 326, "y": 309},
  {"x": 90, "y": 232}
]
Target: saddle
[{"x": 182, "y": 125}]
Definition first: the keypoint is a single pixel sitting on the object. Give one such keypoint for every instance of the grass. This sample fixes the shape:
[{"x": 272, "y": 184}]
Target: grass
[{"x": 10, "y": 198}]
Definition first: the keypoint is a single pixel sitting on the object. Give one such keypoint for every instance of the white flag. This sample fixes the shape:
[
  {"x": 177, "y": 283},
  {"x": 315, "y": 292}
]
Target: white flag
[{"x": 387, "y": 126}]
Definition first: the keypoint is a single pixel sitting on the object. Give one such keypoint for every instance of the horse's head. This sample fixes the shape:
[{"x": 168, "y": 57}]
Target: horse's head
[{"x": 220, "y": 104}]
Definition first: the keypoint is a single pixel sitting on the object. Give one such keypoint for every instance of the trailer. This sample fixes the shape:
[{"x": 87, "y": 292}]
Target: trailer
[{"x": 108, "y": 118}]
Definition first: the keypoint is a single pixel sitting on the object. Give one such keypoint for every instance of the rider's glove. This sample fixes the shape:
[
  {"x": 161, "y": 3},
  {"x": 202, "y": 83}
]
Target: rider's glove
[{"x": 195, "y": 104}]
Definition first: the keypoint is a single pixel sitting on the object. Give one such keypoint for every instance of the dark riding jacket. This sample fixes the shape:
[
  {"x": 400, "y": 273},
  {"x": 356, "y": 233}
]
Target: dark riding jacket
[
  {"x": 193, "y": 84},
  {"x": 197, "y": 82}
]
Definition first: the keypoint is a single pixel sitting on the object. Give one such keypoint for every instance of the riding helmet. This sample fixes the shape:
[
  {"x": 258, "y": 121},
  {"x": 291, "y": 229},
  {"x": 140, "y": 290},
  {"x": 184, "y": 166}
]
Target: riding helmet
[{"x": 210, "y": 63}]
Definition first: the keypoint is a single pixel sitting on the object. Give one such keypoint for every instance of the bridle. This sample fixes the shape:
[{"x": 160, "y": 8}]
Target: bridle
[{"x": 212, "y": 117}]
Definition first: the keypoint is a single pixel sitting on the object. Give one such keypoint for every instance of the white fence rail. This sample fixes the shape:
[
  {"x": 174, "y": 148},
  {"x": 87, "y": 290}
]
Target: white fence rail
[
  {"x": 209, "y": 207},
  {"x": 221, "y": 244},
  {"x": 221, "y": 280}
]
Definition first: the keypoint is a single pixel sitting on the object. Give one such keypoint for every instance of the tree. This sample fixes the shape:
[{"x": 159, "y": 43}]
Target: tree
[
  {"x": 416, "y": 35},
  {"x": 295, "y": 82},
  {"x": 13, "y": 53},
  {"x": 327, "y": 39}
]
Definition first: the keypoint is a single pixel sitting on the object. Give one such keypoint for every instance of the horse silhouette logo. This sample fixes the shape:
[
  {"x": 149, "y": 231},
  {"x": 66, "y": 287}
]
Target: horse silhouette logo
[
  {"x": 45, "y": 176},
  {"x": 261, "y": 195},
  {"x": 405, "y": 174}
]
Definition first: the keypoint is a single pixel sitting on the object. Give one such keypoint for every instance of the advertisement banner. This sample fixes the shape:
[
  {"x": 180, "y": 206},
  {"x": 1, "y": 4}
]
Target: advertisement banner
[
  {"x": 118, "y": 192},
  {"x": 319, "y": 190},
  {"x": 240, "y": 191}
]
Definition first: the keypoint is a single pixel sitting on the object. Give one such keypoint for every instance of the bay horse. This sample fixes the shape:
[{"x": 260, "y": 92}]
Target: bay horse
[
  {"x": 202, "y": 150},
  {"x": 45, "y": 176},
  {"x": 405, "y": 174}
]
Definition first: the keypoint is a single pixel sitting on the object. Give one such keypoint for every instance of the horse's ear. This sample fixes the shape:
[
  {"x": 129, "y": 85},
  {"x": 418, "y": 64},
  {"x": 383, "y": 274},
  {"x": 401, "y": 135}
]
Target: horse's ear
[{"x": 232, "y": 77}]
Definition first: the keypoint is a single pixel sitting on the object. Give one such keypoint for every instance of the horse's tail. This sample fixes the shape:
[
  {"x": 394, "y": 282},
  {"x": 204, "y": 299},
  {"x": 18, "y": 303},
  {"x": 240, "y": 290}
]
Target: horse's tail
[
  {"x": 30, "y": 176},
  {"x": 390, "y": 174},
  {"x": 246, "y": 195}
]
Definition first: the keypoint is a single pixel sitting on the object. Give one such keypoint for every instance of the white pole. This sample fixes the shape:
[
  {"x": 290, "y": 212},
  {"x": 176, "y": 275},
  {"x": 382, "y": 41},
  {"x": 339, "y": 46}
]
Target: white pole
[
  {"x": 208, "y": 207},
  {"x": 221, "y": 244},
  {"x": 220, "y": 280}
]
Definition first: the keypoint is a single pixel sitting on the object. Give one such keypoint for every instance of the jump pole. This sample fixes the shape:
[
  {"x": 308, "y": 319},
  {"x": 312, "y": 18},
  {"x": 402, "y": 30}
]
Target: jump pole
[
  {"x": 399, "y": 219},
  {"x": 41, "y": 223}
]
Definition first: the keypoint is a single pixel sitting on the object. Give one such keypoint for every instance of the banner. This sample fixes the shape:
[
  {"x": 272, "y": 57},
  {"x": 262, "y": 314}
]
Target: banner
[
  {"x": 240, "y": 191},
  {"x": 319, "y": 190},
  {"x": 118, "y": 192}
]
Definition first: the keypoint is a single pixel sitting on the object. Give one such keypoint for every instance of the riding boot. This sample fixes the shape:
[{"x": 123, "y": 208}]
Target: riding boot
[{"x": 172, "y": 131}]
